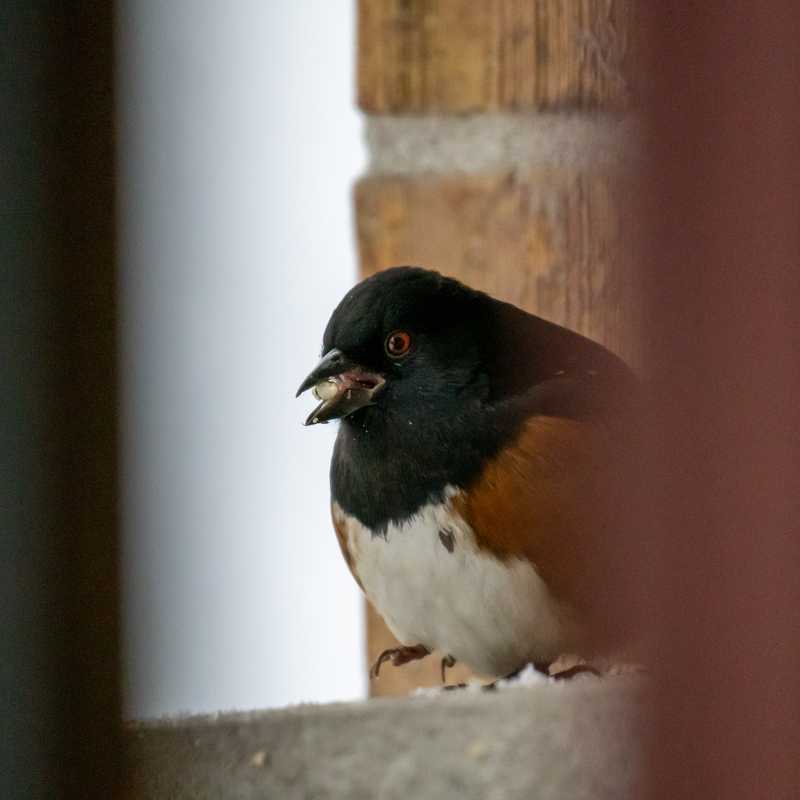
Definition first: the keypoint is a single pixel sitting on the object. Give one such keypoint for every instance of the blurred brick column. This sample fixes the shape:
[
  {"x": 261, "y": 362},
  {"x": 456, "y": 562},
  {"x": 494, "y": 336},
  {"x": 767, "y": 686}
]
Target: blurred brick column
[{"x": 499, "y": 144}]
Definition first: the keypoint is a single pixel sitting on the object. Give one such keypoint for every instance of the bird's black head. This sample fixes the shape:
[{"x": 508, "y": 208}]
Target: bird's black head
[{"x": 401, "y": 344}]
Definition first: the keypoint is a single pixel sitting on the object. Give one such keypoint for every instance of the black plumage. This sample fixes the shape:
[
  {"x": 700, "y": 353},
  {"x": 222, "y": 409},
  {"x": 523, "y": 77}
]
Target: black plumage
[{"x": 477, "y": 369}]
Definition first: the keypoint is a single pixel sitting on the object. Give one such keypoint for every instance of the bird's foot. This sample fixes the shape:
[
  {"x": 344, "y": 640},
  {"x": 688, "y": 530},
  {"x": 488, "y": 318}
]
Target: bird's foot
[
  {"x": 398, "y": 656},
  {"x": 447, "y": 662}
]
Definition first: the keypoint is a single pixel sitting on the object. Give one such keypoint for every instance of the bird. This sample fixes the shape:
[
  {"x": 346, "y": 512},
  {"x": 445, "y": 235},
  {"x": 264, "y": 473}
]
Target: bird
[{"x": 467, "y": 481}]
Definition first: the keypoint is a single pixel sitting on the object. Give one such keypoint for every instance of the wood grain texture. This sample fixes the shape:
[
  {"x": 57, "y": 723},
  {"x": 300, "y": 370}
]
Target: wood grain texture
[
  {"x": 550, "y": 241},
  {"x": 462, "y": 55}
]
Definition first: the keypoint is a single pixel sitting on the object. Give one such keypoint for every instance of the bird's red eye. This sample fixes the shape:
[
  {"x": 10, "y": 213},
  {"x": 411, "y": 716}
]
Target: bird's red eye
[{"x": 398, "y": 344}]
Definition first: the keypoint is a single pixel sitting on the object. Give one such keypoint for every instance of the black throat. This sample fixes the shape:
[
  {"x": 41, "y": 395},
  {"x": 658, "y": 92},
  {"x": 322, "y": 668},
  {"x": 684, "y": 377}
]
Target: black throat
[{"x": 386, "y": 467}]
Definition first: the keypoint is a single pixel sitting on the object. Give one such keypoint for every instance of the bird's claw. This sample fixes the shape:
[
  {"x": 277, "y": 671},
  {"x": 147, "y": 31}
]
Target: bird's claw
[
  {"x": 398, "y": 656},
  {"x": 447, "y": 662}
]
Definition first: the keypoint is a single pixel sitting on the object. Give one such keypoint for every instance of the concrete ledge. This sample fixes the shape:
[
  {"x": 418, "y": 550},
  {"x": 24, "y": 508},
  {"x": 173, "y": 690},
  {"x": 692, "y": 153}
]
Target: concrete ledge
[
  {"x": 547, "y": 740},
  {"x": 478, "y": 143}
]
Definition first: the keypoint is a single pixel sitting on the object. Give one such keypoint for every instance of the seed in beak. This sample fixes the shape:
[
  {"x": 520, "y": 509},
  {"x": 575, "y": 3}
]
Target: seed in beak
[{"x": 326, "y": 389}]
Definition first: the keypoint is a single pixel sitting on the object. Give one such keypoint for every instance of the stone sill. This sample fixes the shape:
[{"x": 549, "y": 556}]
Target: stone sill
[{"x": 543, "y": 740}]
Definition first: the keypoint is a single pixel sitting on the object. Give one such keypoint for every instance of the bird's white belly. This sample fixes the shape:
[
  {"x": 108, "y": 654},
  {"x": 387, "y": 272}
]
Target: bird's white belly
[{"x": 434, "y": 586}]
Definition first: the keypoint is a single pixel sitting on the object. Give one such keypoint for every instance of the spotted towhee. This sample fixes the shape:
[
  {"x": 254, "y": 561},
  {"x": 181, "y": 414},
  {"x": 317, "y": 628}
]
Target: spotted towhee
[{"x": 463, "y": 479}]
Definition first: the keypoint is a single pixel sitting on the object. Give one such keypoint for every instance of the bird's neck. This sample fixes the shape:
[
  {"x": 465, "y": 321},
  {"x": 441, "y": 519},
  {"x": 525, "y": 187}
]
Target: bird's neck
[{"x": 385, "y": 469}]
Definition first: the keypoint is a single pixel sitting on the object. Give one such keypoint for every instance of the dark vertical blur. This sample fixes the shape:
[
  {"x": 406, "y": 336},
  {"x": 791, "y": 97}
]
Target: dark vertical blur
[
  {"x": 721, "y": 273},
  {"x": 58, "y": 572}
]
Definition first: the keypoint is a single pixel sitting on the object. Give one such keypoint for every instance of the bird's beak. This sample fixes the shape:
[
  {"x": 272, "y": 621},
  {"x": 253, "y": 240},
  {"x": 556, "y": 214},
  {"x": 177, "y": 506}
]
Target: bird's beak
[{"x": 341, "y": 385}]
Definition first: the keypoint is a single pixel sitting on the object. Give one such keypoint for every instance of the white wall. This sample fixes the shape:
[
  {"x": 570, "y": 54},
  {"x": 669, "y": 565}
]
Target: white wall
[{"x": 239, "y": 143}]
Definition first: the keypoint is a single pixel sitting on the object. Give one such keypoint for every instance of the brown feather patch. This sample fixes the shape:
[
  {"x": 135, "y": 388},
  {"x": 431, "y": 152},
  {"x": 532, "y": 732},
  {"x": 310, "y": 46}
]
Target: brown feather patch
[
  {"x": 537, "y": 500},
  {"x": 340, "y": 526}
]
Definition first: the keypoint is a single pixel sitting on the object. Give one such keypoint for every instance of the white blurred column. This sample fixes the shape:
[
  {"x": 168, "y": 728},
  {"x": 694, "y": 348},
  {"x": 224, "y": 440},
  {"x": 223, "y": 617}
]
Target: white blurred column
[{"x": 239, "y": 143}]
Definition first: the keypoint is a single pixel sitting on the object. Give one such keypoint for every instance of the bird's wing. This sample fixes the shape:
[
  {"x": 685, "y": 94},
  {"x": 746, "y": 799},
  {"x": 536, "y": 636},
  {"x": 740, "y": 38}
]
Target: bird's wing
[{"x": 541, "y": 499}]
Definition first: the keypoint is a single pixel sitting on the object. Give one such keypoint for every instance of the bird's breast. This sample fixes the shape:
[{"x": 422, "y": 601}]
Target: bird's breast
[{"x": 435, "y": 586}]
